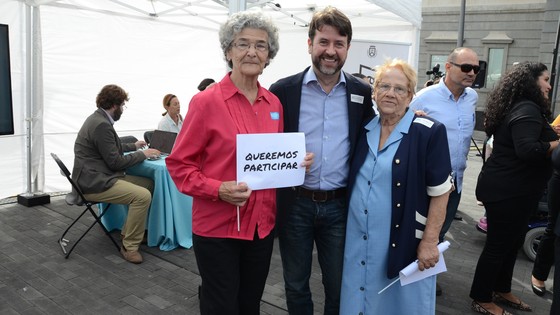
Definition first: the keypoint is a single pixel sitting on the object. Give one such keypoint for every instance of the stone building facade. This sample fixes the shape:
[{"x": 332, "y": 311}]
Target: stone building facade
[{"x": 503, "y": 32}]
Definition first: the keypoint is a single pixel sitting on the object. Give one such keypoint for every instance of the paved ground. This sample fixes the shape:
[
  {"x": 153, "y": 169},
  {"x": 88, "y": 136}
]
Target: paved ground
[{"x": 36, "y": 279}]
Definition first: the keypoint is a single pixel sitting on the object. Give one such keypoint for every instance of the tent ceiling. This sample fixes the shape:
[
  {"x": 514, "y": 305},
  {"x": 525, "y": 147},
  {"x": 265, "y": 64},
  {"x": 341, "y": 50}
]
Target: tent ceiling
[{"x": 287, "y": 13}]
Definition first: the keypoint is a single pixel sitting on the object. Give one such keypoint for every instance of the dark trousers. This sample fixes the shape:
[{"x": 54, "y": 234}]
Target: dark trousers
[
  {"x": 233, "y": 273},
  {"x": 555, "y": 308},
  {"x": 507, "y": 225},
  {"x": 545, "y": 253}
]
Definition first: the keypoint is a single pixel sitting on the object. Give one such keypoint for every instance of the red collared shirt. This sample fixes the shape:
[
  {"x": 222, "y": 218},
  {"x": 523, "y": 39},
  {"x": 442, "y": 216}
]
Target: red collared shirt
[{"x": 204, "y": 156}]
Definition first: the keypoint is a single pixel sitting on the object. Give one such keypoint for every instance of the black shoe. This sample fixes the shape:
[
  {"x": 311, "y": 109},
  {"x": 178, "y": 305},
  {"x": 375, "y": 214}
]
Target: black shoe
[
  {"x": 458, "y": 217},
  {"x": 540, "y": 291},
  {"x": 438, "y": 290}
]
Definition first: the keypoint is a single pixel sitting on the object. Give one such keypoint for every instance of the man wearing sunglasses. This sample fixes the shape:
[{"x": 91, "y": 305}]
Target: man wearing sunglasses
[{"x": 453, "y": 103}]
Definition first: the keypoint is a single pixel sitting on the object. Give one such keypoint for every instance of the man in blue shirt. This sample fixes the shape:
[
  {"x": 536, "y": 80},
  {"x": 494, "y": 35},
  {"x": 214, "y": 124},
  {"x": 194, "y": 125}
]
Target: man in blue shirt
[
  {"x": 329, "y": 106},
  {"x": 453, "y": 102}
]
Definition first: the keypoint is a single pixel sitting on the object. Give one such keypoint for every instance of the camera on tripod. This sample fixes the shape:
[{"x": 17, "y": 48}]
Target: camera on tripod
[{"x": 435, "y": 73}]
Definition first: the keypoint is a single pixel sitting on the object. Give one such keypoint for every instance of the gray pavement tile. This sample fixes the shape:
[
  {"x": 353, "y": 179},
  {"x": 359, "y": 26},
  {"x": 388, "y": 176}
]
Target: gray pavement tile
[
  {"x": 44, "y": 287},
  {"x": 30, "y": 293},
  {"x": 48, "y": 306},
  {"x": 12, "y": 299},
  {"x": 158, "y": 301},
  {"x": 140, "y": 304}
]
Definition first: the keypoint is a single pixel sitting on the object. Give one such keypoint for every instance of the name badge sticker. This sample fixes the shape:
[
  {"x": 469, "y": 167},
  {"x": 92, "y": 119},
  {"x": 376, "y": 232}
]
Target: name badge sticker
[
  {"x": 275, "y": 115},
  {"x": 357, "y": 98}
]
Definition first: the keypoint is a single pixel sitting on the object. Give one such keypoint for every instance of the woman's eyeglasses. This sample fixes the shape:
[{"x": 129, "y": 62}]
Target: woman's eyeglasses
[
  {"x": 466, "y": 68},
  {"x": 399, "y": 90},
  {"x": 243, "y": 46}
]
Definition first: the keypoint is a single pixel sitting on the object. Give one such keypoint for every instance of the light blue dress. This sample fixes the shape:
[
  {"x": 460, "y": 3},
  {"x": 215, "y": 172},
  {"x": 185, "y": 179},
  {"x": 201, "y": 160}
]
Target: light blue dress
[{"x": 367, "y": 238}]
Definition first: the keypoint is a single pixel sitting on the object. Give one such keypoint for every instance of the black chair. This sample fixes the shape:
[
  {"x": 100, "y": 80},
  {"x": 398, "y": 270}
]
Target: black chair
[
  {"x": 79, "y": 200},
  {"x": 148, "y": 136},
  {"x": 128, "y": 139}
]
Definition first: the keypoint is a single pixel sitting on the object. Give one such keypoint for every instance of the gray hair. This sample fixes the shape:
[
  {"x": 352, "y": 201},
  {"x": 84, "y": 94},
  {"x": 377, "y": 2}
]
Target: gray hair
[{"x": 248, "y": 19}]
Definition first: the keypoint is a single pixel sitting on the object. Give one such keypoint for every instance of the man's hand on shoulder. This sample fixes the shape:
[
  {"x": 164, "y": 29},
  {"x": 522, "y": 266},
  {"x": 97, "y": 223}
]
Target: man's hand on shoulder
[{"x": 421, "y": 113}]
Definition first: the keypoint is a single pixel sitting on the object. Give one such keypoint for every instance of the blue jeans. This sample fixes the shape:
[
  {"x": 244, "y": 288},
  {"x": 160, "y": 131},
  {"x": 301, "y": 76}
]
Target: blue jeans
[
  {"x": 452, "y": 205},
  {"x": 307, "y": 222}
]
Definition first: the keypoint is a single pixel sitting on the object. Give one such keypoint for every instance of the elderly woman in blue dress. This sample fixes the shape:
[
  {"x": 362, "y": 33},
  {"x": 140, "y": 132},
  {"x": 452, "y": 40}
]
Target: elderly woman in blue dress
[{"x": 400, "y": 181}]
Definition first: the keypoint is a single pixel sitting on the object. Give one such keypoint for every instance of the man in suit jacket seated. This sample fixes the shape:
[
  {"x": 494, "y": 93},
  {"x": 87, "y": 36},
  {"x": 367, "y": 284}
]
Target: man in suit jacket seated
[{"x": 99, "y": 168}]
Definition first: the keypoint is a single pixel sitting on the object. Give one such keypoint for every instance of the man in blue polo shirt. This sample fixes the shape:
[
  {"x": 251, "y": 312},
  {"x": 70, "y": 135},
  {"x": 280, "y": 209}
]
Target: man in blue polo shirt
[{"x": 453, "y": 103}]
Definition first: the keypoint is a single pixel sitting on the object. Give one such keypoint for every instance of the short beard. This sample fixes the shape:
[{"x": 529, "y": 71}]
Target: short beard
[
  {"x": 326, "y": 70},
  {"x": 117, "y": 114}
]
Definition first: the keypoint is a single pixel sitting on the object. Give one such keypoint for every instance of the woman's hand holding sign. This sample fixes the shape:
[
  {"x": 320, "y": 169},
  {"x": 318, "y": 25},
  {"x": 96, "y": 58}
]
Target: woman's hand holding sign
[{"x": 236, "y": 194}]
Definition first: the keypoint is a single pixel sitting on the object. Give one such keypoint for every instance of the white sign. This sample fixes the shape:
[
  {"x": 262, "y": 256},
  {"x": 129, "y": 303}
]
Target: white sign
[{"x": 270, "y": 160}]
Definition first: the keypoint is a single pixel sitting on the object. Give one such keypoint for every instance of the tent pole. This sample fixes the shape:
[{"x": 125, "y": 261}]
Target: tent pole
[
  {"x": 28, "y": 91},
  {"x": 28, "y": 198}
]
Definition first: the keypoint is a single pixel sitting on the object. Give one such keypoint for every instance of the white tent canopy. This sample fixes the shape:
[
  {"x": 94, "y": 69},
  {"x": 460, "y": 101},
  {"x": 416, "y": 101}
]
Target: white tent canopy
[{"x": 63, "y": 52}]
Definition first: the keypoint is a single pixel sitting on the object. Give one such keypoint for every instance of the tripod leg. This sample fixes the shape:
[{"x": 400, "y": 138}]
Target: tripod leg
[{"x": 476, "y": 146}]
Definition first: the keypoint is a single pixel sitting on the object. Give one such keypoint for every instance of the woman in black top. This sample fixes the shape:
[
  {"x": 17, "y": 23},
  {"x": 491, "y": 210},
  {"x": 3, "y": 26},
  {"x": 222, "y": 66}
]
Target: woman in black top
[{"x": 513, "y": 179}]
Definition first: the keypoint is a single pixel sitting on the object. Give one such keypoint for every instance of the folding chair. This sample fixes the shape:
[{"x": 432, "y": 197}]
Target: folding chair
[{"x": 82, "y": 201}]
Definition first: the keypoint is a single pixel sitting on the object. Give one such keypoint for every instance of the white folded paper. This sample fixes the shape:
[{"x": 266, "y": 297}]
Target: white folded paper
[{"x": 411, "y": 273}]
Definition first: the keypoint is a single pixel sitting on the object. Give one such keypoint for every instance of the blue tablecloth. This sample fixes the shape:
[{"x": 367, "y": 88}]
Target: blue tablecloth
[{"x": 169, "y": 221}]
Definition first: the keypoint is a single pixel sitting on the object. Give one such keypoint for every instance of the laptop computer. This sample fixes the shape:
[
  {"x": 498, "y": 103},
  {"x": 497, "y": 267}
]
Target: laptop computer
[{"x": 163, "y": 141}]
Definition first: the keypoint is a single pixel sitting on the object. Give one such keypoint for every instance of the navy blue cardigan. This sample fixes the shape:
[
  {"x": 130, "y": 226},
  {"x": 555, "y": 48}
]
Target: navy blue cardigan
[{"x": 421, "y": 163}]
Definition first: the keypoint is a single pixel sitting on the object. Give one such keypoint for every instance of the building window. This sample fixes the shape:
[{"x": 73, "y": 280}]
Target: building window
[
  {"x": 495, "y": 66},
  {"x": 497, "y": 43}
]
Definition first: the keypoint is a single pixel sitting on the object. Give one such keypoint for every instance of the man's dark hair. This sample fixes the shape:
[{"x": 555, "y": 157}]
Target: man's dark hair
[
  {"x": 333, "y": 17},
  {"x": 205, "y": 83},
  {"x": 111, "y": 95}
]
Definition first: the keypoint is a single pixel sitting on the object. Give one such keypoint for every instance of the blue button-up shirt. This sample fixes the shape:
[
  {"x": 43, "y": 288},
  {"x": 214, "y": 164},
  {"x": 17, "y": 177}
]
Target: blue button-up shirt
[
  {"x": 324, "y": 120},
  {"x": 438, "y": 102}
]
